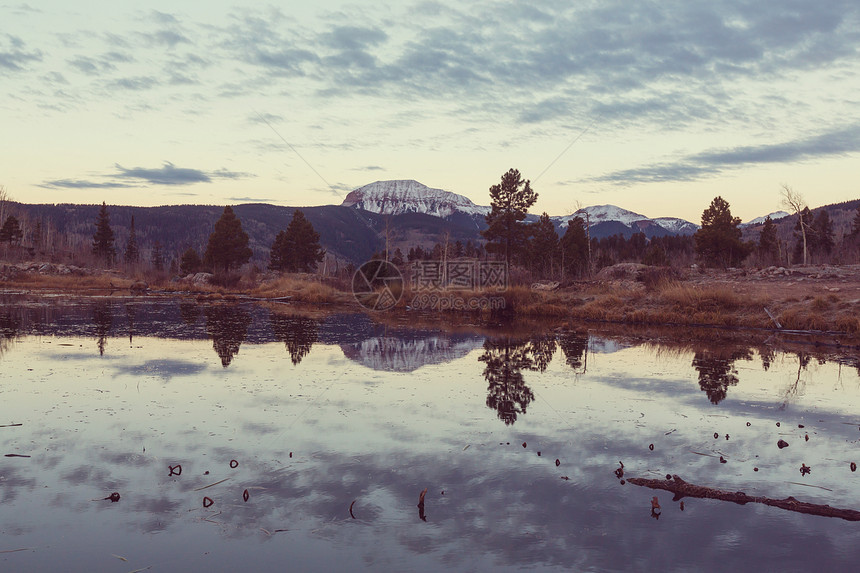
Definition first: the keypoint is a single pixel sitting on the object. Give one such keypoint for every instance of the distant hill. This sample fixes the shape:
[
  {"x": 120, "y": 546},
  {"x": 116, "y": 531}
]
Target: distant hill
[{"x": 398, "y": 213}]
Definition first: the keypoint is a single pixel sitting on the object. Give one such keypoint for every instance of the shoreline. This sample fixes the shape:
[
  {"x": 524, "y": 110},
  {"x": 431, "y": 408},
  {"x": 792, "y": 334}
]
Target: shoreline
[{"x": 808, "y": 301}]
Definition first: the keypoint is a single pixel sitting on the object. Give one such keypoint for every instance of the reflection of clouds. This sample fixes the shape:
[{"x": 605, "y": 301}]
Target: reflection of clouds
[{"x": 165, "y": 368}]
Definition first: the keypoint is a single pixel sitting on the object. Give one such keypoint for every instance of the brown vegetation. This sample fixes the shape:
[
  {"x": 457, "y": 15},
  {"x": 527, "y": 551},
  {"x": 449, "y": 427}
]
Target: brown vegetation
[{"x": 824, "y": 298}]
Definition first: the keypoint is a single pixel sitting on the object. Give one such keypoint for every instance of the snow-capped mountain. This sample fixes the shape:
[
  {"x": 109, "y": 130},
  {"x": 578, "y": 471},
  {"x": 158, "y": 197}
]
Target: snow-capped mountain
[
  {"x": 395, "y": 354},
  {"x": 601, "y": 213},
  {"x": 611, "y": 219},
  {"x": 409, "y": 196},
  {"x": 759, "y": 220},
  {"x": 398, "y": 197}
]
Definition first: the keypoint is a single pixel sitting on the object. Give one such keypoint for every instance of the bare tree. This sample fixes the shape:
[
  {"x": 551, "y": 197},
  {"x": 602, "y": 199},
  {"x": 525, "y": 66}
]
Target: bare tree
[
  {"x": 793, "y": 200},
  {"x": 4, "y": 198}
]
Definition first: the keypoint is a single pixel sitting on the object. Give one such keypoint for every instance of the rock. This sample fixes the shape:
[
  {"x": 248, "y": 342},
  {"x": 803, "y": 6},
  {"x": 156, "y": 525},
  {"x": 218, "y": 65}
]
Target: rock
[
  {"x": 202, "y": 278},
  {"x": 782, "y": 444}
]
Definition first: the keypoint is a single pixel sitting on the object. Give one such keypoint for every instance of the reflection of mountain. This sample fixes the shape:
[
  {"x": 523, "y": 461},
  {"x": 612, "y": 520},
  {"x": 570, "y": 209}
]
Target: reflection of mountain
[{"x": 408, "y": 353}]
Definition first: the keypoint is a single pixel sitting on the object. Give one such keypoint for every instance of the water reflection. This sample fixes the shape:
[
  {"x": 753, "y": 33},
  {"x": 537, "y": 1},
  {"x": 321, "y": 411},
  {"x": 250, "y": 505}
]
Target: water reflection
[
  {"x": 227, "y": 325},
  {"x": 717, "y": 371},
  {"x": 298, "y": 333},
  {"x": 309, "y": 459},
  {"x": 574, "y": 346},
  {"x": 8, "y": 331},
  {"x": 507, "y": 393},
  {"x": 103, "y": 320},
  {"x": 190, "y": 312}
]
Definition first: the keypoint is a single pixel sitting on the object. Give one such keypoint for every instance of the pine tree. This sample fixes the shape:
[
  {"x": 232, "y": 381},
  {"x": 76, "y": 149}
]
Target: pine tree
[
  {"x": 228, "y": 243},
  {"x": 103, "y": 239},
  {"x": 190, "y": 262},
  {"x": 718, "y": 241},
  {"x": 506, "y": 232},
  {"x": 544, "y": 245},
  {"x": 574, "y": 247},
  {"x": 855, "y": 228},
  {"x": 132, "y": 252},
  {"x": 822, "y": 229},
  {"x": 11, "y": 231},
  {"x": 157, "y": 257},
  {"x": 768, "y": 245},
  {"x": 298, "y": 248}
]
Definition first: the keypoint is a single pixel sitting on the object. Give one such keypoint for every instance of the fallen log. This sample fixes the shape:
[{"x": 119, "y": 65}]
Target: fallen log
[{"x": 682, "y": 489}]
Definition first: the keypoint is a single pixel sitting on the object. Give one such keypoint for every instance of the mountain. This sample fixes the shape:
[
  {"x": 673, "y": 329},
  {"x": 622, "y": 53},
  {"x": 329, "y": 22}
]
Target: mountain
[
  {"x": 775, "y": 216},
  {"x": 608, "y": 220},
  {"x": 409, "y": 196}
]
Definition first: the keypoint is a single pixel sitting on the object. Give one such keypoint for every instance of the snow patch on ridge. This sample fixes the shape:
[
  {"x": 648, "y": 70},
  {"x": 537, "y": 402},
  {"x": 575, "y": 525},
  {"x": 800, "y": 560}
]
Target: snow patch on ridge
[{"x": 409, "y": 196}]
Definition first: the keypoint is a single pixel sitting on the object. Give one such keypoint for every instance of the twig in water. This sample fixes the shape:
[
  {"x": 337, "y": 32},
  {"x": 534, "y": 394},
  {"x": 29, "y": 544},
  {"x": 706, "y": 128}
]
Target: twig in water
[{"x": 210, "y": 485}]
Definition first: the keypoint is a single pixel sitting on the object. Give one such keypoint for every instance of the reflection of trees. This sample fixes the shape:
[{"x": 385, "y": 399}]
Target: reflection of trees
[
  {"x": 541, "y": 349},
  {"x": 103, "y": 320},
  {"x": 298, "y": 334},
  {"x": 190, "y": 312},
  {"x": 767, "y": 355},
  {"x": 507, "y": 394},
  {"x": 717, "y": 371},
  {"x": 8, "y": 331},
  {"x": 130, "y": 313},
  {"x": 227, "y": 325},
  {"x": 574, "y": 346}
]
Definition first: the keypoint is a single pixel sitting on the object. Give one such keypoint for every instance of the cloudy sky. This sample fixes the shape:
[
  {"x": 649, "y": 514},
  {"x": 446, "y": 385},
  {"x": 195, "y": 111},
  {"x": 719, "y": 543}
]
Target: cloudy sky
[{"x": 655, "y": 106}]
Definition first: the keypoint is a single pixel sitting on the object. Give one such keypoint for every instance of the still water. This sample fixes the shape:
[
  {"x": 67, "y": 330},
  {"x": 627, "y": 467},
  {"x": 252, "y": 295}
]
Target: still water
[{"x": 244, "y": 437}]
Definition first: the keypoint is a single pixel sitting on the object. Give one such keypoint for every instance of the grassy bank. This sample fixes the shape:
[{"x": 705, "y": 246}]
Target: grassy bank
[{"x": 677, "y": 301}]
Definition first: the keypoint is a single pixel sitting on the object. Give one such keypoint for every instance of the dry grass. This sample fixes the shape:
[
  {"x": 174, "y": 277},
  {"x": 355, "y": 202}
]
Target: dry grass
[
  {"x": 68, "y": 283},
  {"x": 301, "y": 289}
]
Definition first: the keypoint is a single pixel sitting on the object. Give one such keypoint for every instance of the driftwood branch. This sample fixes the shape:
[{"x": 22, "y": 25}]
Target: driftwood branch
[{"x": 682, "y": 489}]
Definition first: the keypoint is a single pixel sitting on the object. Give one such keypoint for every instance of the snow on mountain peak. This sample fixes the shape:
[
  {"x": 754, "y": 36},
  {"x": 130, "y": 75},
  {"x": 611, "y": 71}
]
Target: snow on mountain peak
[
  {"x": 400, "y": 196},
  {"x": 599, "y": 213},
  {"x": 759, "y": 220}
]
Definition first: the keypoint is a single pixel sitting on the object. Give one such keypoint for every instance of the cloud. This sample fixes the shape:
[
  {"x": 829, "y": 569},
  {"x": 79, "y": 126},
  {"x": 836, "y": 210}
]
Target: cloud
[
  {"x": 168, "y": 174},
  {"x": 14, "y": 56},
  {"x": 252, "y": 200},
  {"x": 139, "y": 83},
  {"x": 697, "y": 166},
  {"x": 82, "y": 184},
  {"x": 369, "y": 168}
]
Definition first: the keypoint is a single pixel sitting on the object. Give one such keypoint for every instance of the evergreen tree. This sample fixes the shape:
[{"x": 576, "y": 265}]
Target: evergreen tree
[
  {"x": 190, "y": 262},
  {"x": 298, "y": 248},
  {"x": 132, "y": 252},
  {"x": 822, "y": 230},
  {"x": 574, "y": 247},
  {"x": 103, "y": 239},
  {"x": 544, "y": 245},
  {"x": 157, "y": 257},
  {"x": 228, "y": 243},
  {"x": 11, "y": 231},
  {"x": 854, "y": 235},
  {"x": 768, "y": 244},
  {"x": 718, "y": 242},
  {"x": 506, "y": 232}
]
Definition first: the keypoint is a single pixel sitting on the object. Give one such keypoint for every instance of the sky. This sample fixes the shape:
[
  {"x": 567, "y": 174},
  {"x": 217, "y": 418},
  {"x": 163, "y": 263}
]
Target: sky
[{"x": 654, "y": 106}]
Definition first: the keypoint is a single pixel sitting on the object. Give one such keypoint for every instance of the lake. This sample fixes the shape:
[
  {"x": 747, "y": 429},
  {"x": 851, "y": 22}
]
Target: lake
[{"x": 242, "y": 436}]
